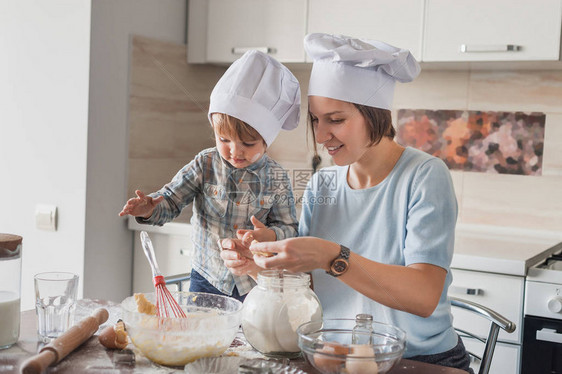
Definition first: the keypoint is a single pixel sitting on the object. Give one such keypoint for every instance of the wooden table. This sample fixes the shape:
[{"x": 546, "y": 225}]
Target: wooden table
[{"x": 93, "y": 358}]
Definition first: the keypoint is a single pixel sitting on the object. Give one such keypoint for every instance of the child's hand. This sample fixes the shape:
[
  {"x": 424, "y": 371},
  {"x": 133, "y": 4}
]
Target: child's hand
[
  {"x": 238, "y": 258},
  {"x": 141, "y": 206},
  {"x": 259, "y": 233}
]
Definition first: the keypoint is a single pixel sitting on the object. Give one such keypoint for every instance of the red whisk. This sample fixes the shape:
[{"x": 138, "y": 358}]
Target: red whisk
[{"x": 166, "y": 305}]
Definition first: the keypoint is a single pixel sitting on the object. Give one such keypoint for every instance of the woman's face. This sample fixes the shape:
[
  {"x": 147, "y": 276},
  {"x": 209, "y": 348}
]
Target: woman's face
[
  {"x": 340, "y": 128},
  {"x": 239, "y": 153}
]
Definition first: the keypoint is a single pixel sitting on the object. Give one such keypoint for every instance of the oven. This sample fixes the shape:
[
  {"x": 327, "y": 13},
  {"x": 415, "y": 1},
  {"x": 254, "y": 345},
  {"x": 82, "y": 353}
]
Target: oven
[{"x": 542, "y": 324}]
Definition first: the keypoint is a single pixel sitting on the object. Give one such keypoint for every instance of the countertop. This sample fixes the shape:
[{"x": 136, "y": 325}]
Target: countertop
[
  {"x": 92, "y": 358},
  {"x": 487, "y": 248},
  {"x": 502, "y": 250}
]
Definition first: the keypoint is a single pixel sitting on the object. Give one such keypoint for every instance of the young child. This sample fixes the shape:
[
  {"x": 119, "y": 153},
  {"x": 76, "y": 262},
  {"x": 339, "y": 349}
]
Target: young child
[{"x": 235, "y": 187}]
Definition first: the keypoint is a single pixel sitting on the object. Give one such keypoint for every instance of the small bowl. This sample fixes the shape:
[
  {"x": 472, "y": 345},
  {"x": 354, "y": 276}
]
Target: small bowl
[
  {"x": 210, "y": 327},
  {"x": 327, "y": 345}
]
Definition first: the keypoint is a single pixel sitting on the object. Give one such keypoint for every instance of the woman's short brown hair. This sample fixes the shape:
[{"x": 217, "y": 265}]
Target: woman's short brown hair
[
  {"x": 379, "y": 123},
  {"x": 234, "y": 128}
]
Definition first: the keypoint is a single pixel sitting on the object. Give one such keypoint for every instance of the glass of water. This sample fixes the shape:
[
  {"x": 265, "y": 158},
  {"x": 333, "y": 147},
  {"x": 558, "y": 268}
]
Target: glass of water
[{"x": 55, "y": 302}]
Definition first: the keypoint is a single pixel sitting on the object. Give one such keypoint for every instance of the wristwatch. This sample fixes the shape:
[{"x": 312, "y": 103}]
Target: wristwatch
[{"x": 341, "y": 263}]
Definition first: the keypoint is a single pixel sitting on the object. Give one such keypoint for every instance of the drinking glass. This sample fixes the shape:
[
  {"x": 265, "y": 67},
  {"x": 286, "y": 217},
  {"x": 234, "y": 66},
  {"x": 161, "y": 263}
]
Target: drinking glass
[{"x": 55, "y": 302}]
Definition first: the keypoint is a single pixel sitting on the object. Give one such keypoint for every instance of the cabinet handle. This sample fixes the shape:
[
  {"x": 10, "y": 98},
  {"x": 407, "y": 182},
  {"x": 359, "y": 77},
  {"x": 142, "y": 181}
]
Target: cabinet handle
[
  {"x": 483, "y": 48},
  {"x": 466, "y": 290},
  {"x": 185, "y": 252},
  {"x": 549, "y": 335},
  {"x": 242, "y": 50}
]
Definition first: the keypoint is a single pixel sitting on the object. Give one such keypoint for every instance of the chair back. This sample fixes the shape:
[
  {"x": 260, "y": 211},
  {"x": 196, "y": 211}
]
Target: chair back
[
  {"x": 497, "y": 322},
  {"x": 178, "y": 280}
]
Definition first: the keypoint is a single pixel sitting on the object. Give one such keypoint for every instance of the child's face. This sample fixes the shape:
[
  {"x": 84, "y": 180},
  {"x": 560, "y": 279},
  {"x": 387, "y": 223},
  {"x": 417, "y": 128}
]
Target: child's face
[{"x": 238, "y": 153}]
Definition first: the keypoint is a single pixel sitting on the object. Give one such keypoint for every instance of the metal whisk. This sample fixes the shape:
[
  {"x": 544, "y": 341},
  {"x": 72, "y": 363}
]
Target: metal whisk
[{"x": 166, "y": 305}]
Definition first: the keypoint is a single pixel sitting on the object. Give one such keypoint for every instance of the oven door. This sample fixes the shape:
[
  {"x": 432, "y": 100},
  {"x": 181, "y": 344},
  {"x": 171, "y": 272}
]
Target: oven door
[{"x": 542, "y": 346}]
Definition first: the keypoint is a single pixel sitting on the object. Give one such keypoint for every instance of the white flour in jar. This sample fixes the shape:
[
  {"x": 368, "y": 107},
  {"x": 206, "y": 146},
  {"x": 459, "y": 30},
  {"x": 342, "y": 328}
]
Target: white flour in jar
[{"x": 270, "y": 323}]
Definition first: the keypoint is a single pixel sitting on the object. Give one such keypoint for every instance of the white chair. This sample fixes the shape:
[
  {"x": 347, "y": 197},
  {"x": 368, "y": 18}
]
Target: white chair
[{"x": 497, "y": 321}]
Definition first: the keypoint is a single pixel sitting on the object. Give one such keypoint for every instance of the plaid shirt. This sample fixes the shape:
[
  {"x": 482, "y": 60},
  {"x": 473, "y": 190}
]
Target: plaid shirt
[{"x": 224, "y": 198}]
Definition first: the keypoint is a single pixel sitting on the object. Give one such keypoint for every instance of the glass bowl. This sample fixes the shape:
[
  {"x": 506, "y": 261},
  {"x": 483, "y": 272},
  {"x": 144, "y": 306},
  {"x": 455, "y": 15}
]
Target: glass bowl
[
  {"x": 327, "y": 345},
  {"x": 209, "y": 329}
]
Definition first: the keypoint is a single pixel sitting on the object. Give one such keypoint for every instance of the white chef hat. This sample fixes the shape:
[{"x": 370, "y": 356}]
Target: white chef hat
[
  {"x": 360, "y": 71},
  {"x": 260, "y": 91}
]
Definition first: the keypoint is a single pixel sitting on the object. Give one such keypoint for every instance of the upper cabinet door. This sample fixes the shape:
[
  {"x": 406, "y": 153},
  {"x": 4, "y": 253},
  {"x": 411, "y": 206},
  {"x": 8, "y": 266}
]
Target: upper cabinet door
[
  {"x": 497, "y": 30},
  {"x": 396, "y": 22},
  {"x": 232, "y": 27}
]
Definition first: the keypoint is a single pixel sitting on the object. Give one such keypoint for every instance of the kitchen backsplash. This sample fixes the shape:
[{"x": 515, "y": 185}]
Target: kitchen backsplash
[{"x": 168, "y": 126}]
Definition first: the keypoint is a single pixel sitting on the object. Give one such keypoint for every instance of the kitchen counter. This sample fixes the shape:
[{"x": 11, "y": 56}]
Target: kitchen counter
[
  {"x": 494, "y": 249},
  {"x": 93, "y": 358},
  {"x": 502, "y": 250}
]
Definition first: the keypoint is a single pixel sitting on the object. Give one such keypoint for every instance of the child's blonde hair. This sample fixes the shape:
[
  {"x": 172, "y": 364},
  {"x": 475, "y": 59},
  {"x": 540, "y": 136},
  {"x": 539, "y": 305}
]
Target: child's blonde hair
[{"x": 232, "y": 127}]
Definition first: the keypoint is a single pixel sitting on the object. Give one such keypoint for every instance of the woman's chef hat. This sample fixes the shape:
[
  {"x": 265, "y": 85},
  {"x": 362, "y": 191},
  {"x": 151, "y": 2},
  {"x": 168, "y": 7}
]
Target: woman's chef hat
[
  {"x": 360, "y": 71},
  {"x": 260, "y": 91}
]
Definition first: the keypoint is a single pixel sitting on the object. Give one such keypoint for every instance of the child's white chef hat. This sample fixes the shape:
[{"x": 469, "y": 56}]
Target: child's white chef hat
[
  {"x": 260, "y": 91},
  {"x": 360, "y": 71}
]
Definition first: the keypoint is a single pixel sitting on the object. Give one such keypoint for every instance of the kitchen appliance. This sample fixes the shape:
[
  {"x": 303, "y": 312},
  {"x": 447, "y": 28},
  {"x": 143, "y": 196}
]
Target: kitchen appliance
[{"x": 542, "y": 330}]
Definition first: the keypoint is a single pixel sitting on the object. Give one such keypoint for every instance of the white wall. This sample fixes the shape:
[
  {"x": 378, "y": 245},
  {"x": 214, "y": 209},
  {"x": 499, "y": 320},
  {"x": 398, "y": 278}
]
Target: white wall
[
  {"x": 109, "y": 245},
  {"x": 56, "y": 150},
  {"x": 45, "y": 47}
]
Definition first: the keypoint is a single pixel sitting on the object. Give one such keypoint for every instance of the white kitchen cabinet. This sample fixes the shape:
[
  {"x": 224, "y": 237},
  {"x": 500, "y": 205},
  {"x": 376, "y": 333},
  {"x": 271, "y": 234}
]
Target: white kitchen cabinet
[
  {"x": 172, "y": 247},
  {"x": 220, "y": 31},
  {"x": 397, "y": 22},
  {"x": 501, "y": 293},
  {"x": 505, "y": 360},
  {"x": 498, "y": 30}
]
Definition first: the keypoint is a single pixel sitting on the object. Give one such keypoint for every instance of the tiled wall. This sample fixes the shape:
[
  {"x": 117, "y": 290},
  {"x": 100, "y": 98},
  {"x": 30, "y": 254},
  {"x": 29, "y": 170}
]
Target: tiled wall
[{"x": 168, "y": 126}]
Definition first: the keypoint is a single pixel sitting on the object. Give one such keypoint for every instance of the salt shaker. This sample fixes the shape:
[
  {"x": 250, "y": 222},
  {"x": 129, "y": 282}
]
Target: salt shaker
[
  {"x": 10, "y": 288},
  {"x": 362, "y": 333},
  {"x": 275, "y": 308}
]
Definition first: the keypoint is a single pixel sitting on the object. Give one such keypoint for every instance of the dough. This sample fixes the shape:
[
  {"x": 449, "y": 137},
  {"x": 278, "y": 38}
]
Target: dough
[
  {"x": 259, "y": 253},
  {"x": 143, "y": 305}
]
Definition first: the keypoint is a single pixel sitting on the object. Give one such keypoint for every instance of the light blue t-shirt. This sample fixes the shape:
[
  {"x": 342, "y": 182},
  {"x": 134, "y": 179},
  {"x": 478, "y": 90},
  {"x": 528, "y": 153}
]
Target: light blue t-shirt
[{"x": 408, "y": 218}]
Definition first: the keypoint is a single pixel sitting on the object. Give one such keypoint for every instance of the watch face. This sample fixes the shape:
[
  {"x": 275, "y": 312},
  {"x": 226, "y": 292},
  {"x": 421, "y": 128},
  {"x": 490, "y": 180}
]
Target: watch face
[{"x": 339, "y": 266}]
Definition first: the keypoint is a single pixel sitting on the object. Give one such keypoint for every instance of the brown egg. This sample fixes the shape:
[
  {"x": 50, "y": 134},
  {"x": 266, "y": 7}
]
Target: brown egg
[
  {"x": 359, "y": 366},
  {"x": 327, "y": 363},
  {"x": 114, "y": 337}
]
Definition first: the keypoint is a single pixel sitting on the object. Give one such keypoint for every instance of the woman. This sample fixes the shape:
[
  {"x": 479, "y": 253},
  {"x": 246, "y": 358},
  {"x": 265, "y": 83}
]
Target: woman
[{"x": 377, "y": 229}]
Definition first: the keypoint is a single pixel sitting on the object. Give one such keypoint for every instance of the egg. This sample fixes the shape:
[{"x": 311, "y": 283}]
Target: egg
[
  {"x": 114, "y": 337},
  {"x": 358, "y": 366},
  {"x": 329, "y": 364}
]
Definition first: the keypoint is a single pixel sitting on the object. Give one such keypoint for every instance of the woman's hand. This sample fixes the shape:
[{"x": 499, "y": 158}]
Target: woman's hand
[
  {"x": 238, "y": 258},
  {"x": 141, "y": 206},
  {"x": 297, "y": 254},
  {"x": 260, "y": 233}
]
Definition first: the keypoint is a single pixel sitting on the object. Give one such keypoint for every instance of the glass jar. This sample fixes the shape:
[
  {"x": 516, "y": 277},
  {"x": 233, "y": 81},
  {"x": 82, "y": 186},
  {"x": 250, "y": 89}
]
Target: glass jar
[
  {"x": 273, "y": 310},
  {"x": 362, "y": 332},
  {"x": 10, "y": 289}
]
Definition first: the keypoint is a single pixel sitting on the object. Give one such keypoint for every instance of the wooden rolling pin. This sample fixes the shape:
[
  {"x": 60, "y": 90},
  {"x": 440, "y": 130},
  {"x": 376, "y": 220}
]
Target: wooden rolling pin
[{"x": 59, "y": 348}]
